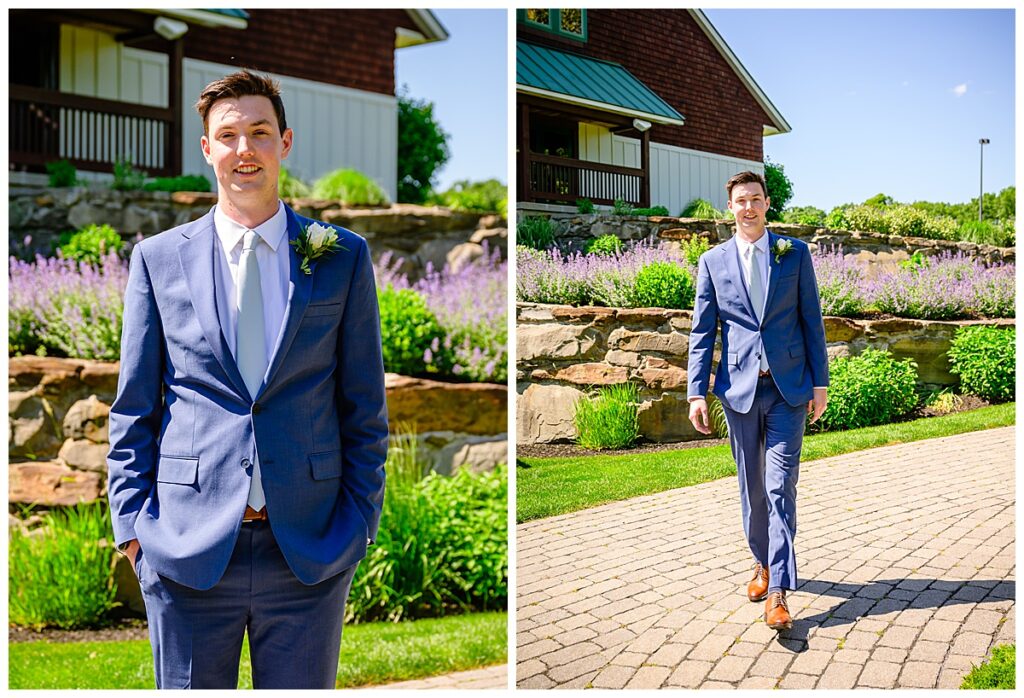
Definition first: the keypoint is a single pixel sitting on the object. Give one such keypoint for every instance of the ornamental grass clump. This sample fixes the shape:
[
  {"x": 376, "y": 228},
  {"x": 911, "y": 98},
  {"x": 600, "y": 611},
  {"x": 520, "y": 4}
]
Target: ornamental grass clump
[
  {"x": 351, "y": 187},
  {"x": 868, "y": 389},
  {"x": 441, "y": 547},
  {"x": 60, "y": 574},
  {"x": 610, "y": 419},
  {"x": 984, "y": 358},
  {"x": 536, "y": 232},
  {"x": 59, "y": 307}
]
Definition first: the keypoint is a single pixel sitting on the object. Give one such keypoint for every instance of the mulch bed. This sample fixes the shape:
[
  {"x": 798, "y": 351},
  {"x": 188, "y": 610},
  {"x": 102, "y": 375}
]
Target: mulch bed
[
  {"x": 133, "y": 629},
  {"x": 968, "y": 402}
]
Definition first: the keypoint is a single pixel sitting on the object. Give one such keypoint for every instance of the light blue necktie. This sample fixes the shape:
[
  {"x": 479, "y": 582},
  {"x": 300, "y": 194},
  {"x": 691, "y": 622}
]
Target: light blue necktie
[
  {"x": 757, "y": 293},
  {"x": 251, "y": 350}
]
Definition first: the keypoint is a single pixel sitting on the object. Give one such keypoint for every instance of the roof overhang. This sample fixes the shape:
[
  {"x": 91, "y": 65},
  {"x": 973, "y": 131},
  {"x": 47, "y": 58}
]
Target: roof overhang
[
  {"x": 428, "y": 30},
  {"x": 570, "y": 78},
  {"x": 778, "y": 124},
  {"x": 232, "y": 19}
]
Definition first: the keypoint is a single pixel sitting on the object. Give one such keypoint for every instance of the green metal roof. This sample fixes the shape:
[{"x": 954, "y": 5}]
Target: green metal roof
[{"x": 588, "y": 81}]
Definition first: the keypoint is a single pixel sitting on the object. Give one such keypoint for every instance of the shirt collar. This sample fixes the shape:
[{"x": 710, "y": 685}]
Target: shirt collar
[
  {"x": 273, "y": 230},
  {"x": 761, "y": 244}
]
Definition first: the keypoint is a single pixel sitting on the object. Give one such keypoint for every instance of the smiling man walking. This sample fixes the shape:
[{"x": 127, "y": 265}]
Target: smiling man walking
[
  {"x": 760, "y": 288},
  {"x": 249, "y": 432}
]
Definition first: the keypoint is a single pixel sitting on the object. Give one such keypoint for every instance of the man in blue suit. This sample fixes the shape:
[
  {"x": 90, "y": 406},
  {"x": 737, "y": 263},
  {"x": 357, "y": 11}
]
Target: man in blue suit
[
  {"x": 249, "y": 432},
  {"x": 760, "y": 289}
]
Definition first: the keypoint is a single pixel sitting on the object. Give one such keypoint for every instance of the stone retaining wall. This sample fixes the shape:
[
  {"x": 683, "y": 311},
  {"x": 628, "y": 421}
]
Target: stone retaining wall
[
  {"x": 420, "y": 234},
  {"x": 561, "y": 351},
  {"x": 574, "y": 230},
  {"x": 58, "y": 414}
]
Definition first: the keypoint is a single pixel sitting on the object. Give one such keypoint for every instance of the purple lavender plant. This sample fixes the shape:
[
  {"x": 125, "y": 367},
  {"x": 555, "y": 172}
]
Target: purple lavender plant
[
  {"x": 61, "y": 307},
  {"x": 841, "y": 282}
]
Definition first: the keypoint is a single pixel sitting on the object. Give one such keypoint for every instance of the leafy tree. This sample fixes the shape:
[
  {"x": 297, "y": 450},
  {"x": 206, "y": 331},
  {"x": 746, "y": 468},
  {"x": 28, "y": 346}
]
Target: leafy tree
[
  {"x": 422, "y": 148},
  {"x": 780, "y": 189},
  {"x": 880, "y": 201}
]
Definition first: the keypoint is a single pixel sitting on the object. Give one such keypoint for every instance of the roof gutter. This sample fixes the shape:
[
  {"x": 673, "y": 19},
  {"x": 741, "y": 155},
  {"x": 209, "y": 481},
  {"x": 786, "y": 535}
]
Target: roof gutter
[
  {"x": 430, "y": 30},
  {"x": 600, "y": 106},
  {"x": 202, "y": 18}
]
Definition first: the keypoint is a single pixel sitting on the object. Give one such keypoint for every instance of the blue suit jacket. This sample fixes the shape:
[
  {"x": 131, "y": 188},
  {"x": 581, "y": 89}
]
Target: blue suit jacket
[
  {"x": 183, "y": 426},
  {"x": 791, "y": 330}
]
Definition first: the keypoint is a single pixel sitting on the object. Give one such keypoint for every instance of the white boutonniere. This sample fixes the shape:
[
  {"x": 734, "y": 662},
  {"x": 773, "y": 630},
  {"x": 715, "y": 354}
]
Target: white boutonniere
[
  {"x": 780, "y": 248},
  {"x": 315, "y": 241}
]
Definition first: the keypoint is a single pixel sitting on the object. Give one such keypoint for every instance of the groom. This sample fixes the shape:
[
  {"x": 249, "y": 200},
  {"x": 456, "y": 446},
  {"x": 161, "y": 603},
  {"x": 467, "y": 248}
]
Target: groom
[
  {"x": 249, "y": 433},
  {"x": 760, "y": 288}
]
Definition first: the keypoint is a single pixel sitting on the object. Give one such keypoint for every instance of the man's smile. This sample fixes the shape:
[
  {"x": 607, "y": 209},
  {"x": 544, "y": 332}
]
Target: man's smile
[{"x": 248, "y": 169}]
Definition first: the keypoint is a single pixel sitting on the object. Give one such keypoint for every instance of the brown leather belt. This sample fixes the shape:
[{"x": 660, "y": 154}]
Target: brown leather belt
[
  {"x": 764, "y": 374},
  {"x": 253, "y": 515}
]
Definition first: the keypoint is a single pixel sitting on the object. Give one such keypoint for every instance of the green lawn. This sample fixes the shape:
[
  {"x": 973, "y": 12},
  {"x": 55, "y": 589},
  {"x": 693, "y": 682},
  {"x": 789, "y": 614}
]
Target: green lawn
[
  {"x": 372, "y": 653},
  {"x": 996, "y": 672},
  {"x": 552, "y": 486}
]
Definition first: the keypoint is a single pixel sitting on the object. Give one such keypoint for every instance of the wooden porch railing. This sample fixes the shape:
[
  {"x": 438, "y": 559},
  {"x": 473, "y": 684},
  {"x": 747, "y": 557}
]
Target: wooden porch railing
[
  {"x": 91, "y": 133},
  {"x": 565, "y": 179}
]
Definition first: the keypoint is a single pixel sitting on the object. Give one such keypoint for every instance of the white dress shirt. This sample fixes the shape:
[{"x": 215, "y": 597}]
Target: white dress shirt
[{"x": 272, "y": 257}]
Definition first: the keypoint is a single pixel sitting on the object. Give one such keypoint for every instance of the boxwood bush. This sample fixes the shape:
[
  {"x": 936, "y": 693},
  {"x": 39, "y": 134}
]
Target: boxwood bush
[
  {"x": 984, "y": 359},
  {"x": 663, "y": 285},
  {"x": 604, "y": 245},
  {"x": 91, "y": 243},
  {"x": 868, "y": 389},
  {"x": 412, "y": 339}
]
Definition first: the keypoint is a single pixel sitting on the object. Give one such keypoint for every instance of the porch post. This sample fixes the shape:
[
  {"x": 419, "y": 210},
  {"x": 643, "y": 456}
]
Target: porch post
[
  {"x": 524, "y": 193},
  {"x": 645, "y": 165},
  {"x": 174, "y": 101}
]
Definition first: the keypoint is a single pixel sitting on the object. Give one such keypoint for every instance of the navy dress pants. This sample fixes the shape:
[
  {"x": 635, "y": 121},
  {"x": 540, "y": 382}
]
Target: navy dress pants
[
  {"x": 294, "y": 629},
  {"x": 766, "y": 443}
]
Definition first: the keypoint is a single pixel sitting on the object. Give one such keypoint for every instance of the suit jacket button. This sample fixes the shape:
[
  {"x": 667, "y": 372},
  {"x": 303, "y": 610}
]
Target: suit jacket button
[
  {"x": 256, "y": 408},
  {"x": 246, "y": 463}
]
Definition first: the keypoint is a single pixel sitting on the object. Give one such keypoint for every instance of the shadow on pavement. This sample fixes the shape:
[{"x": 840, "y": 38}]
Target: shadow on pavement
[{"x": 887, "y": 596}]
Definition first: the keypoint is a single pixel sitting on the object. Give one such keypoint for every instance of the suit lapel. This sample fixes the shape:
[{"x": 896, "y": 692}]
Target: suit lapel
[
  {"x": 196, "y": 253},
  {"x": 300, "y": 286},
  {"x": 773, "y": 270},
  {"x": 734, "y": 270}
]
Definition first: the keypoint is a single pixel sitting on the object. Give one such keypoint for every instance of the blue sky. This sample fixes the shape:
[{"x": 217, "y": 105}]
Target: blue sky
[
  {"x": 889, "y": 101},
  {"x": 466, "y": 77}
]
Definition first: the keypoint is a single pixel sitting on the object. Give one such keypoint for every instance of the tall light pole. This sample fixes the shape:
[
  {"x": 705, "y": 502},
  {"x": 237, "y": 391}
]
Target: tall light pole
[{"x": 982, "y": 142}]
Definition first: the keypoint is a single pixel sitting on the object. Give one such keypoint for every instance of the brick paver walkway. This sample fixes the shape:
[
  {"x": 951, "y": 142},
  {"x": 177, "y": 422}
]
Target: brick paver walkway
[
  {"x": 905, "y": 554},
  {"x": 488, "y": 677}
]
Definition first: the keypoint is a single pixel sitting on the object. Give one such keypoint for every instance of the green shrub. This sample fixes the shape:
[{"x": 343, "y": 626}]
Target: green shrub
[
  {"x": 693, "y": 248},
  {"x": 701, "y": 209},
  {"x": 536, "y": 232},
  {"x": 622, "y": 208},
  {"x": 91, "y": 243},
  {"x": 442, "y": 543},
  {"x": 610, "y": 419},
  {"x": 604, "y": 245},
  {"x": 60, "y": 575},
  {"x": 986, "y": 233},
  {"x": 351, "y": 187},
  {"x": 291, "y": 187},
  {"x": 61, "y": 174},
  {"x": 984, "y": 359},
  {"x": 422, "y": 148},
  {"x": 127, "y": 177},
  {"x": 995, "y": 673},
  {"x": 804, "y": 215},
  {"x": 868, "y": 389},
  {"x": 182, "y": 183},
  {"x": 780, "y": 189},
  {"x": 584, "y": 206},
  {"x": 487, "y": 196},
  {"x": 663, "y": 285},
  {"x": 652, "y": 211},
  {"x": 411, "y": 337}
]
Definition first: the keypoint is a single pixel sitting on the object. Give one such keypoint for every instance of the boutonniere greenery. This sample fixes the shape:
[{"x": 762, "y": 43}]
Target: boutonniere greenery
[
  {"x": 315, "y": 241},
  {"x": 780, "y": 248}
]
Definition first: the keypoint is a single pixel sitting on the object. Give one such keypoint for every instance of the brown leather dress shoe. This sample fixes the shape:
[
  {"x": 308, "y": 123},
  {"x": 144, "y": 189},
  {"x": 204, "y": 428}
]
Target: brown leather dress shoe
[
  {"x": 776, "y": 612},
  {"x": 758, "y": 587}
]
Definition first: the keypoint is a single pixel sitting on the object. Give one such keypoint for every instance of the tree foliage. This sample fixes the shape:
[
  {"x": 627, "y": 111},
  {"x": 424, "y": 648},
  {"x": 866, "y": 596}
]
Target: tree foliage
[
  {"x": 780, "y": 189},
  {"x": 422, "y": 148}
]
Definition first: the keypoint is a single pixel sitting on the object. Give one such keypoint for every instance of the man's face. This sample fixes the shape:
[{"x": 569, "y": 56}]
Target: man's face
[
  {"x": 749, "y": 205},
  {"x": 245, "y": 146}
]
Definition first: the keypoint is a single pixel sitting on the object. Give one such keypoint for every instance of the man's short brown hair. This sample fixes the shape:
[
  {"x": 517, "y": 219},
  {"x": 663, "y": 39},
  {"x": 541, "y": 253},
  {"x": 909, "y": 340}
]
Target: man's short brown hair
[
  {"x": 242, "y": 84},
  {"x": 746, "y": 177}
]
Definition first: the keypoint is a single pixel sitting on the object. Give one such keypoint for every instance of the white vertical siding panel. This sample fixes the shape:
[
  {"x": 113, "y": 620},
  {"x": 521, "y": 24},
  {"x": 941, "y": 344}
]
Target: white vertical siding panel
[{"x": 680, "y": 175}]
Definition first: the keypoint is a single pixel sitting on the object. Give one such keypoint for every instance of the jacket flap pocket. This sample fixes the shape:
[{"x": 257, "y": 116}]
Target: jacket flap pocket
[
  {"x": 797, "y": 350},
  {"x": 180, "y": 470},
  {"x": 313, "y": 310},
  {"x": 325, "y": 465}
]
